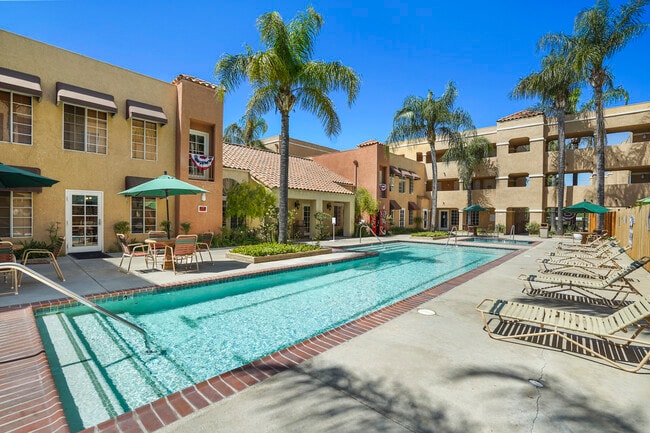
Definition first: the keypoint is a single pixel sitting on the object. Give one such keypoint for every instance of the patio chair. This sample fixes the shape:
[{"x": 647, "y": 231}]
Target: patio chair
[
  {"x": 618, "y": 330},
  {"x": 204, "y": 245},
  {"x": 7, "y": 256},
  {"x": 43, "y": 255},
  {"x": 183, "y": 252},
  {"x": 157, "y": 249},
  {"x": 132, "y": 250},
  {"x": 600, "y": 268},
  {"x": 595, "y": 243},
  {"x": 589, "y": 290},
  {"x": 605, "y": 250}
]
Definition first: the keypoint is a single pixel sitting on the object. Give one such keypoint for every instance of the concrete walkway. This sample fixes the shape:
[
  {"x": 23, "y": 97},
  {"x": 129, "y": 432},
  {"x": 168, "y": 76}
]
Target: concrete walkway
[{"x": 416, "y": 373}]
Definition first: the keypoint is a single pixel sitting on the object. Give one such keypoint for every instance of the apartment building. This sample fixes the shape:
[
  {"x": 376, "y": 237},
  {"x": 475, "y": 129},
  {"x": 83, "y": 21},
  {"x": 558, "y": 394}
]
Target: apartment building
[
  {"x": 397, "y": 182},
  {"x": 518, "y": 183},
  {"x": 100, "y": 129}
]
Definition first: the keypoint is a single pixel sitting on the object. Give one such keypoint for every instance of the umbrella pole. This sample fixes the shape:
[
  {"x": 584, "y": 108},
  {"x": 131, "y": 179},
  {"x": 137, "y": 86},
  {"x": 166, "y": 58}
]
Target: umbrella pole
[{"x": 167, "y": 226}]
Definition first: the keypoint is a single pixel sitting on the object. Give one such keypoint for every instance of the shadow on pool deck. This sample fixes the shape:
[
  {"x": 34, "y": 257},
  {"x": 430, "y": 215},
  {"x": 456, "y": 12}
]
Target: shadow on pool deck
[{"x": 439, "y": 373}]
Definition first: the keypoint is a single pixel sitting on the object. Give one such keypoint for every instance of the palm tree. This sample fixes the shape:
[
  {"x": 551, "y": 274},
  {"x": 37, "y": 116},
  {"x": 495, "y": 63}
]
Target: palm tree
[
  {"x": 431, "y": 118},
  {"x": 284, "y": 75},
  {"x": 247, "y": 131},
  {"x": 469, "y": 154},
  {"x": 598, "y": 34},
  {"x": 557, "y": 87}
]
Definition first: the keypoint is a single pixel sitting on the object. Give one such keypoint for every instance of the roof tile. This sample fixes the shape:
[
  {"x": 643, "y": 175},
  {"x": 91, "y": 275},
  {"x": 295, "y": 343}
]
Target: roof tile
[{"x": 264, "y": 166}]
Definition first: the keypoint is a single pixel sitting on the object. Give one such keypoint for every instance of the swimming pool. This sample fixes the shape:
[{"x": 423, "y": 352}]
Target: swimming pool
[
  {"x": 498, "y": 241},
  {"x": 102, "y": 368}
]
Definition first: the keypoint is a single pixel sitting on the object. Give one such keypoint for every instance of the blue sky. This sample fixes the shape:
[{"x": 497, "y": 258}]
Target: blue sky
[{"x": 399, "y": 48}]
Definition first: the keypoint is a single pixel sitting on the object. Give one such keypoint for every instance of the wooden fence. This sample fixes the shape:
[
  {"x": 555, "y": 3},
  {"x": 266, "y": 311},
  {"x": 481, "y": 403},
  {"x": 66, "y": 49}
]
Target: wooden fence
[{"x": 633, "y": 225}]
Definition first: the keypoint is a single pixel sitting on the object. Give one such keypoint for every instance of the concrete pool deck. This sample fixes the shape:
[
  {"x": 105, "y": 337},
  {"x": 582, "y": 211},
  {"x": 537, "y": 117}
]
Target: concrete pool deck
[{"x": 414, "y": 372}]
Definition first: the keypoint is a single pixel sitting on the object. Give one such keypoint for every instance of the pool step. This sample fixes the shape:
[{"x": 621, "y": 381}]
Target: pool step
[{"x": 119, "y": 375}]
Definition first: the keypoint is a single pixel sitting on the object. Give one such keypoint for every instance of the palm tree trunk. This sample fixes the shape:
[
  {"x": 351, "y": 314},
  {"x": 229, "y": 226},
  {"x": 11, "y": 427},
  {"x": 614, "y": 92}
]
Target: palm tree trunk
[
  {"x": 284, "y": 180},
  {"x": 434, "y": 186},
  {"x": 600, "y": 153},
  {"x": 560, "y": 168}
]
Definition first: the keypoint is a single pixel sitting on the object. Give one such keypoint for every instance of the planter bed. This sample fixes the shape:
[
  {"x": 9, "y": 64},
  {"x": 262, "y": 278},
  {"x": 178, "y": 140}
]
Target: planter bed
[{"x": 274, "y": 257}]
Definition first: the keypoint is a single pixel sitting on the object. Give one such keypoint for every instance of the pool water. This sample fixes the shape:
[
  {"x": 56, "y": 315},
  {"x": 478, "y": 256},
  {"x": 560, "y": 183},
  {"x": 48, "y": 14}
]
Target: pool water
[
  {"x": 498, "y": 241},
  {"x": 102, "y": 368}
]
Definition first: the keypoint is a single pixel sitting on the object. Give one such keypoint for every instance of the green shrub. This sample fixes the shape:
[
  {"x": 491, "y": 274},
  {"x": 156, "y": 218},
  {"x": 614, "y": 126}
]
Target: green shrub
[
  {"x": 271, "y": 249},
  {"x": 435, "y": 234},
  {"x": 532, "y": 228}
]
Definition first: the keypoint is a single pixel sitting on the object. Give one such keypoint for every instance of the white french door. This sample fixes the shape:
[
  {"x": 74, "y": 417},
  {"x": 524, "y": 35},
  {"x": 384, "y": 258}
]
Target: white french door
[{"x": 84, "y": 214}]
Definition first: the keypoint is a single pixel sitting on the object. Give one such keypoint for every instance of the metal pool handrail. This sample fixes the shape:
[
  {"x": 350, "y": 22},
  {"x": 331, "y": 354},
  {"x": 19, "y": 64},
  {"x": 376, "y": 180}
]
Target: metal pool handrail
[
  {"x": 56, "y": 286},
  {"x": 453, "y": 233},
  {"x": 368, "y": 229},
  {"x": 512, "y": 232}
]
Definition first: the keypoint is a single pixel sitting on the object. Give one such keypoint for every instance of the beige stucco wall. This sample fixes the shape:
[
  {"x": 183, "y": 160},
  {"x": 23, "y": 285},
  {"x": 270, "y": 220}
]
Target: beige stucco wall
[
  {"x": 538, "y": 163},
  {"x": 106, "y": 173},
  {"x": 80, "y": 170}
]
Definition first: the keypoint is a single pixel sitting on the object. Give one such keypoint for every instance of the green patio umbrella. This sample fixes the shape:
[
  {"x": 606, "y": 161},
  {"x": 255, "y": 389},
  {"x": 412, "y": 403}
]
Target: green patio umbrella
[
  {"x": 644, "y": 200},
  {"x": 585, "y": 207},
  {"x": 163, "y": 186},
  {"x": 12, "y": 177},
  {"x": 474, "y": 208}
]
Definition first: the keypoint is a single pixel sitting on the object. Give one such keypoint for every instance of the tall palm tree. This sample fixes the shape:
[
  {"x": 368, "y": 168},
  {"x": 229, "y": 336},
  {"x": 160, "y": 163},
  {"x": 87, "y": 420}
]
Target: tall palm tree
[
  {"x": 469, "y": 154},
  {"x": 598, "y": 34},
  {"x": 247, "y": 131},
  {"x": 557, "y": 85},
  {"x": 431, "y": 118},
  {"x": 284, "y": 75}
]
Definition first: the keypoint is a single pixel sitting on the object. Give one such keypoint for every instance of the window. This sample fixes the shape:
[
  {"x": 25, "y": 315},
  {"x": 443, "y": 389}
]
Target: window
[
  {"x": 306, "y": 218},
  {"x": 411, "y": 186},
  {"x": 425, "y": 219},
  {"x": 144, "y": 140},
  {"x": 15, "y": 118},
  {"x": 143, "y": 215},
  {"x": 199, "y": 145},
  {"x": 472, "y": 218},
  {"x": 518, "y": 181},
  {"x": 15, "y": 214},
  {"x": 391, "y": 185},
  {"x": 411, "y": 216},
  {"x": 401, "y": 217},
  {"x": 454, "y": 217},
  {"x": 85, "y": 129},
  {"x": 402, "y": 185}
]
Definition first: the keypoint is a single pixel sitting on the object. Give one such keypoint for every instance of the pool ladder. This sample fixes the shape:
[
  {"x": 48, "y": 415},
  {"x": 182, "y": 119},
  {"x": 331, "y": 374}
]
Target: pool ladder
[
  {"x": 369, "y": 230},
  {"x": 512, "y": 232},
  {"x": 452, "y": 232},
  {"x": 56, "y": 286}
]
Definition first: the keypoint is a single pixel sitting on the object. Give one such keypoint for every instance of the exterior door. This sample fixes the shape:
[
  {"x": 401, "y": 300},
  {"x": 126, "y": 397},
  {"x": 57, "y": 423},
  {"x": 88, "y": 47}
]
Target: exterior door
[
  {"x": 84, "y": 214},
  {"x": 444, "y": 220}
]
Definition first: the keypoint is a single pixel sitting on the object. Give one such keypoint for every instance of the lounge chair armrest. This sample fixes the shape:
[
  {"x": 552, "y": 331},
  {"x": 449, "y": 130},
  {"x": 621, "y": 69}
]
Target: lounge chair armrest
[{"x": 480, "y": 304}]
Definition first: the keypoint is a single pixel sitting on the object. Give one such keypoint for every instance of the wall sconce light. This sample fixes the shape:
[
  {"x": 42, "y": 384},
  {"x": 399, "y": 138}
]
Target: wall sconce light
[
  {"x": 296, "y": 204},
  {"x": 329, "y": 206},
  {"x": 202, "y": 196}
]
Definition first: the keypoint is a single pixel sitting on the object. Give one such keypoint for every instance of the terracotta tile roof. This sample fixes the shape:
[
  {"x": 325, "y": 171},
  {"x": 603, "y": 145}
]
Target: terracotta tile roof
[
  {"x": 520, "y": 115},
  {"x": 370, "y": 143},
  {"x": 194, "y": 80},
  {"x": 264, "y": 166}
]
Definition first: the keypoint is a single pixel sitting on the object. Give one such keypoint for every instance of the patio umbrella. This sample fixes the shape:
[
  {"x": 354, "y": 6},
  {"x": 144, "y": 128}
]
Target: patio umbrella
[
  {"x": 163, "y": 186},
  {"x": 585, "y": 207},
  {"x": 474, "y": 208},
  {"x": 12, "y": 177},
  {"x": 644, "y": 201}
]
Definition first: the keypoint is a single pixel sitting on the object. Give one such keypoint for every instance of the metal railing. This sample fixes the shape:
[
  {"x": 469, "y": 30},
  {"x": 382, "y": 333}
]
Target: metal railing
[
  {"x": 512, "y": 232},
  {"x": 56, "y": 286},
  {"x": 452, "y": 232},
  {"x": 369, "y": 230}
]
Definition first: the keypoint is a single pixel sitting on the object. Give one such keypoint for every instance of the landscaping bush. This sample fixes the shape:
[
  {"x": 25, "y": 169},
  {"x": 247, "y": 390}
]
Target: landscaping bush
[
  {"x": 435, "y": 234},
  {"x": 532, "y": 228},
  {"x": 270, "y": 249}
]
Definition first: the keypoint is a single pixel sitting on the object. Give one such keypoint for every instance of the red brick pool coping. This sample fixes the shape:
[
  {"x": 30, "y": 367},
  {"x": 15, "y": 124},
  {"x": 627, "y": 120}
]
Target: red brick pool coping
[{"x": 29, "y": 401}]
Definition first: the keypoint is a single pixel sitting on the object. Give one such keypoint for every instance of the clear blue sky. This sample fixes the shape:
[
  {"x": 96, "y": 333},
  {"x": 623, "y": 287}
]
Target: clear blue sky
[{"x": 399, "y": 48}]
